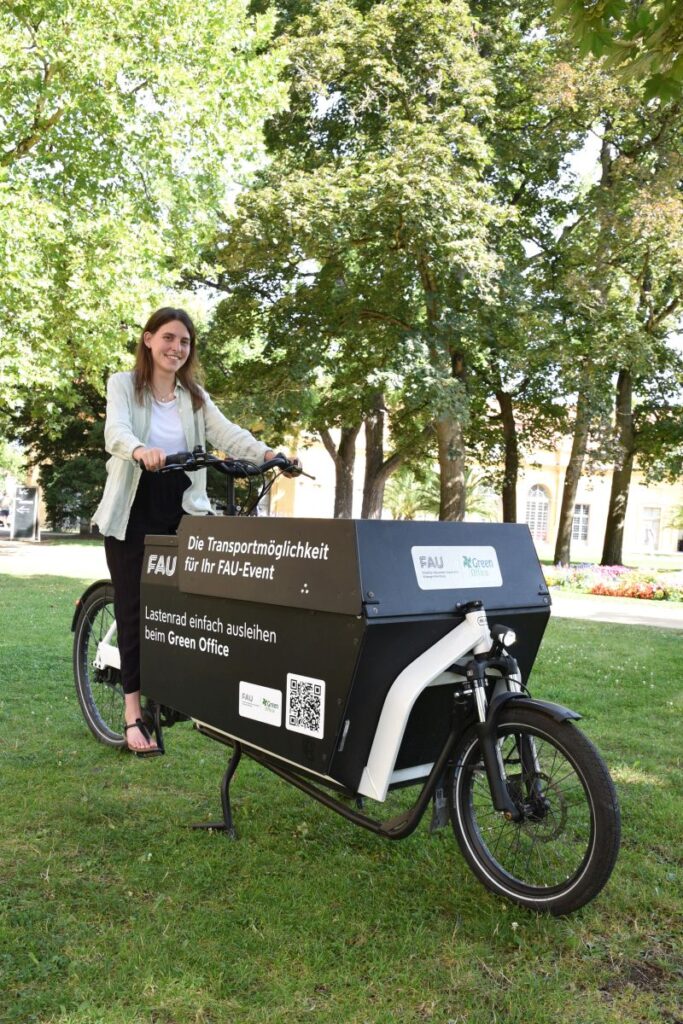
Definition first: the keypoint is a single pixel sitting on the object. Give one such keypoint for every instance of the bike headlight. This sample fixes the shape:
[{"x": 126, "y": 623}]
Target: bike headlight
[{"x": 504, "y": 635}]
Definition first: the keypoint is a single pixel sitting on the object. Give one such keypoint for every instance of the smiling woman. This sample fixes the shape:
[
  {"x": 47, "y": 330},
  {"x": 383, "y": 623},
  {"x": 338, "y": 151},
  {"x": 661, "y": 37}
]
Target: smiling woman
[{"x": 157, "y": 409}]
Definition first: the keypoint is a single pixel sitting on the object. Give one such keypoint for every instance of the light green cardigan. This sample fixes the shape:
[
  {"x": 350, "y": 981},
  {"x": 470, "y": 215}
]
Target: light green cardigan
[{"x": 127, "y": 427}]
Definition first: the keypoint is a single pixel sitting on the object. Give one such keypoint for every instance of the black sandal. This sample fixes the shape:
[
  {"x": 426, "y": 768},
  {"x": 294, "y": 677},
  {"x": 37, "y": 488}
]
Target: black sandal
[{"x": 152, "y": 751}]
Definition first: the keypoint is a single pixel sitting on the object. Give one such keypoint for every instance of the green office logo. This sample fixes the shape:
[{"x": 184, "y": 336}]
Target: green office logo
[
  {"x": 260, "y": 703},
  {"x": 477, "y": 564}
]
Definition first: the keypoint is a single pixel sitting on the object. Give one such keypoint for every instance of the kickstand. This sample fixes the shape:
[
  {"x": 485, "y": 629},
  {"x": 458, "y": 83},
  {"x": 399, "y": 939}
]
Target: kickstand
[
  {"x": 226, "y": 825},
  {"x": 440, "y": 807}
]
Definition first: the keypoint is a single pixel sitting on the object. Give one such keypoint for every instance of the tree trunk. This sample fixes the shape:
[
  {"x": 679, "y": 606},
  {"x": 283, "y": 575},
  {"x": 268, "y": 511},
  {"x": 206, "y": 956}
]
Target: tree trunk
[
  {"x": 344, "y": 459},
  {"x": 377, "y": 468},
  {"x": 449, "y": 433},
  {"x": 452, "y": 468},
  {"x": 373, "y": 484},
  {"x": 623, "y": 468},
  {"x": 571, "y": 480},
  {"x": 511, "y": 472}
]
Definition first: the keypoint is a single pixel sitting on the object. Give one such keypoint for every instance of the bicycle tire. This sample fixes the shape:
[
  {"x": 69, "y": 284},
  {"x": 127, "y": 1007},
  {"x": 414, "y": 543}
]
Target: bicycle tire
[
  {"x": 568, "y": 841},
  {"x": 100, "y": 693}
]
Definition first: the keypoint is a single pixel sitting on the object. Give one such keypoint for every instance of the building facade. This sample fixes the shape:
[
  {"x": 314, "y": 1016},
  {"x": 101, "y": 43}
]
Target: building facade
[{"x": 649, "y": 528}]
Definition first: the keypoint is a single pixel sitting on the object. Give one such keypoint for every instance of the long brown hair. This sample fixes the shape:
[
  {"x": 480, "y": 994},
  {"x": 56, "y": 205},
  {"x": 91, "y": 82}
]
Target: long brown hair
[{"x": 188, "y": 372}]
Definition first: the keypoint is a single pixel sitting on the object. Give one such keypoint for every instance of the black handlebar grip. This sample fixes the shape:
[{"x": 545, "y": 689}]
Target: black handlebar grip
[
  {"x": 288, "y": 465},
  {"x": 179, "y": 458}
]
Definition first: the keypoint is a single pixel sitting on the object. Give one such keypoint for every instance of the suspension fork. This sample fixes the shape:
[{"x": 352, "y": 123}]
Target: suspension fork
[
  {"x": 531, "y": 770},
  {"x": 528, "y": 755},
  {"x": 486, "y": 731}
]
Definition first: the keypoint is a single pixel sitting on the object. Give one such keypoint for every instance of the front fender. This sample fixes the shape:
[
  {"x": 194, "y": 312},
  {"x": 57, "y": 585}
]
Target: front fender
[
  {"x": 500, "y": 794},
  {"x": 556, "y": 711},
  {"x": 84, "y": 597}
]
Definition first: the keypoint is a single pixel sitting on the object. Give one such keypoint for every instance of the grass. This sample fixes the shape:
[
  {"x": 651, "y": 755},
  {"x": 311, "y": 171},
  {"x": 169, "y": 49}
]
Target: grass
[{"x": 112, "y": 911}]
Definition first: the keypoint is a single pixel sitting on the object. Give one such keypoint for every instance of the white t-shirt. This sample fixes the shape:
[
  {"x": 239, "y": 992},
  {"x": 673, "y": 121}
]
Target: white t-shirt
[{"x": 166, "y": 430}]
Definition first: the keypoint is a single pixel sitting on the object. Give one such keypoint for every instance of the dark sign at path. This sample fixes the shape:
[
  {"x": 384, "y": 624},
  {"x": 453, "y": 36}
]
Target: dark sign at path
[{"x": 25, "y": 518}]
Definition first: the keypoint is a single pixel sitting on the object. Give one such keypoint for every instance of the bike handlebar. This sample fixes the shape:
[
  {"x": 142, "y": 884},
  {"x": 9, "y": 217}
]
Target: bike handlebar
[{"x": 240, "y": 469}]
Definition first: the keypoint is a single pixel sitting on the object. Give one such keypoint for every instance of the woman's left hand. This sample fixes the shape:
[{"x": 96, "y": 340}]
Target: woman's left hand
[{"x": 290, "y": 473}]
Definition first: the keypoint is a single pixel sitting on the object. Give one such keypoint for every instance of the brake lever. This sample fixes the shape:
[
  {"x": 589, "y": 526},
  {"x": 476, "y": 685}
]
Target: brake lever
[{"x": 292, "y": 469}]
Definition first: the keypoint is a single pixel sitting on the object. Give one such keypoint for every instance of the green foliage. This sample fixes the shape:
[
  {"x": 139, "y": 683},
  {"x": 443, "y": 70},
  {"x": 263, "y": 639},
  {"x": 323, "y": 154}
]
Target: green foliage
[
  {"x": 641, "y": 41},
  {"x": 351, "y": 250},
  {"x": 410, "y": 494},
  {"x": 349, "y": 254},
  {"x": 150, "y": 103},
  {"x": 69, "y": 450},
  {"x": 72, "y": 488},
  {"x": 676, "y": 520},
  {"x": 120, "y": 134},
  {"x": 413, "y": 493},
  {"x": 618, "y": 279},
  {"x": 659, "y": 424},
  {"x": 11, "y": 463}
]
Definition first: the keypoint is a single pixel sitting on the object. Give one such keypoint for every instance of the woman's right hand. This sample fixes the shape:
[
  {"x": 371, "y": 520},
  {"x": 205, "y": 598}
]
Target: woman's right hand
[{"x": 151, "y": 458}]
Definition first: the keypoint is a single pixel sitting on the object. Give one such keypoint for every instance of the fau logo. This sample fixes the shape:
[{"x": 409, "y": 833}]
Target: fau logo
[
  {"x": 163, "y": 565},
  {"x": 431, "y": 561}
]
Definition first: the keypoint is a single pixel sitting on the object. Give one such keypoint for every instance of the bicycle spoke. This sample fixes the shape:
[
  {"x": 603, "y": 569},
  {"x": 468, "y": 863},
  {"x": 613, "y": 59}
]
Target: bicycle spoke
[{"x": 549, "y": 844}]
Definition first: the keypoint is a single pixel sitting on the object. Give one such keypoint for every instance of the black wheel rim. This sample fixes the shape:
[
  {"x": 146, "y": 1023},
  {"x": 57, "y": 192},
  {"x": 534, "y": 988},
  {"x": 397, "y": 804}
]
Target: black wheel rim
[
  {"x": 551, "y": 845},
  {"x": 102, "y": 689}
]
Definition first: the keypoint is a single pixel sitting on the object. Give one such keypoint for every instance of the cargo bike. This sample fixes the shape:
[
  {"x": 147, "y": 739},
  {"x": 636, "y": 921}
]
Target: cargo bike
[{"x": 354, "y": 658}]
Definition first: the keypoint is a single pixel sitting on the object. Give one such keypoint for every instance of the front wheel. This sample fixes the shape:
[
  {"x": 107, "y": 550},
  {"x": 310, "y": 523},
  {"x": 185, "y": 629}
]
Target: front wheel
[
  {"x": 96, "y": 673},
  {"x": 562, "y": 851}
]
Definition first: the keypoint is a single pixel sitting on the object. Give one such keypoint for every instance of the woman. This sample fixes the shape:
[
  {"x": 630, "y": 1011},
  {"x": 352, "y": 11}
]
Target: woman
[{"x": 153, "y": 411}]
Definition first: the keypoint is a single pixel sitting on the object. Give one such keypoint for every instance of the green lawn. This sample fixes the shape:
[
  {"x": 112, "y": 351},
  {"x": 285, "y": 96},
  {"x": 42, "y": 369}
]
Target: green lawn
[{"x": 112, "y": 910}]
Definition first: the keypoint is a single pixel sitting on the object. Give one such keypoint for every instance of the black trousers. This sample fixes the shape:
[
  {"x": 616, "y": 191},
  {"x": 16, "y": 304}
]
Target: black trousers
[{"x": 157, "y": 508}]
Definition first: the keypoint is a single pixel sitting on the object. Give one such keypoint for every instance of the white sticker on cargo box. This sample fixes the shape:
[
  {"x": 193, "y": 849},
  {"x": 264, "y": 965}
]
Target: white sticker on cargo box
[
  {"x": 305, "y": 705},
  {"x": 261, "y": 703},
  {"x": 456, "y": 568}
]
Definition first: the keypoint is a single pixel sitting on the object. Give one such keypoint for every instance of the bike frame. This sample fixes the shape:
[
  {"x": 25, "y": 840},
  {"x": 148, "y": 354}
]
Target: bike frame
[
  {"x": 466, "y": 657},
  {"x": 107, "y": 655}
]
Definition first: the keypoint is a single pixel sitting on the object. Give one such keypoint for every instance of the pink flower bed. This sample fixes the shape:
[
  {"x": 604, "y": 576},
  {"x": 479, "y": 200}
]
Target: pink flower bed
[{"x": 617, "y": 581}]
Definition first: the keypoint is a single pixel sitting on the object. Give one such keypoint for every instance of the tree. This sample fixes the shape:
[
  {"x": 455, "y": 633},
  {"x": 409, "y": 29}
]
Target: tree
[
  {"x": 355, "y": 248},
  {"x": 639, "y": 41},
  {"x": 512, "y": 379},
  {"x": 69, "y": 447},
  {"x": 413, "y": 492},
  {"x": 628, "y": 268},
  {"x": 119, "y": 135}
]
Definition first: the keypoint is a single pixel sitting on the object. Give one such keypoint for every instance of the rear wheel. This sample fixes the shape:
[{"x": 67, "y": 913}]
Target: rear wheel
[
  {"x": 99, "y": 689},
  {"x": 562, "y": 851}
]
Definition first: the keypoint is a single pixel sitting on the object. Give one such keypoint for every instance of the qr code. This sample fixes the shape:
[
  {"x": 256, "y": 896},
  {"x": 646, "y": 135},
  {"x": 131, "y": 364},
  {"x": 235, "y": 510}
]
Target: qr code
[{"x": 305, "y": 705}]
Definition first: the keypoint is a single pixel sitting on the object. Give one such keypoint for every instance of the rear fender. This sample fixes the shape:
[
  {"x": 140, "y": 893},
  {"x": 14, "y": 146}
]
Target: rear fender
[{"x": 84, "y": 597}]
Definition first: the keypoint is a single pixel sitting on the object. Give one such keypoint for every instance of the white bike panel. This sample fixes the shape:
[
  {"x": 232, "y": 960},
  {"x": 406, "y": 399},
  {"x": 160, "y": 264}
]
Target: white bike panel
[{"x": 471, "y": 634}]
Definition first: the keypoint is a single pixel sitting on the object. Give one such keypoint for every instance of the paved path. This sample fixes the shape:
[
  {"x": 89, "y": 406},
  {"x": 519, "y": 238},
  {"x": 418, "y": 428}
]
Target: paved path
[
  {"x": 628, "y": 610},
  {"x": 87, "y": 562},
  {"x": 81, "y": 561}
]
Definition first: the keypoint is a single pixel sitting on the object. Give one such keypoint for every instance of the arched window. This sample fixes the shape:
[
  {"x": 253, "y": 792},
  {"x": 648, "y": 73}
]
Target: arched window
[{"x": 537, "y": 508}]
